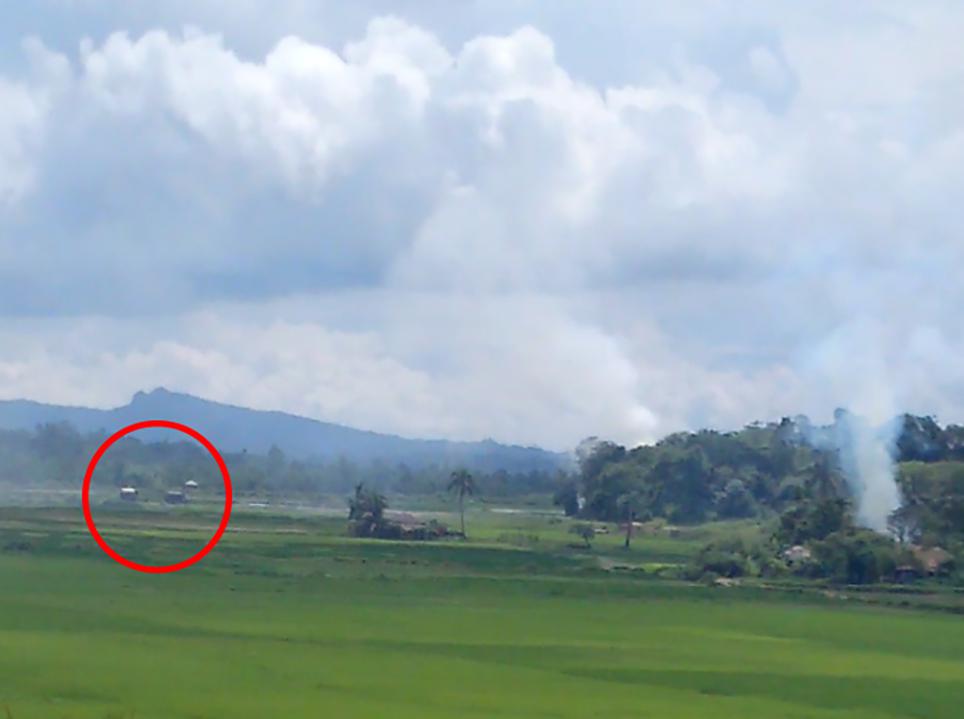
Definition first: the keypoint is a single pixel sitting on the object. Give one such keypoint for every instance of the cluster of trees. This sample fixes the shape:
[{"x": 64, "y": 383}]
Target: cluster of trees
[
  {"x": 58, "y": 454},
  {"x": 816, "y": 539},
  {"x": 694, "y": 477},
  {"x": 923, "y": 439},
  {"x": 791, "y": 472},
  {"x": 761, "y": 470},
  {"x": 367, "y": 507},
  {"x": 838, "y": 549},
  {"x": 933, "y": 503}
]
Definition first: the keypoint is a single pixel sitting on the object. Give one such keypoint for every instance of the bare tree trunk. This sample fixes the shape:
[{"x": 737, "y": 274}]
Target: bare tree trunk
[
  {"x": 629, "y": 530},
  {"x": 462, "y": 512}
]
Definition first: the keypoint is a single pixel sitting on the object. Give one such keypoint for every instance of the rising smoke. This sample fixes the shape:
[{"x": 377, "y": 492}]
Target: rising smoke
[
  {"x": 851, "y": 365},
  {"x": 867, "y": 460}
]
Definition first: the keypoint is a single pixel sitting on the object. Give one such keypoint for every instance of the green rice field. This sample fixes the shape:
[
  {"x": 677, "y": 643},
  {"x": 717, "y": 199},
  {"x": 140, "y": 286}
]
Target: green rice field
[{"x": 289, "y": 618}]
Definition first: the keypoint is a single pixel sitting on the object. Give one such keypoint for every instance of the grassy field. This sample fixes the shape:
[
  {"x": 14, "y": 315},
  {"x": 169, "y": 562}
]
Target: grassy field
[{"x": 289, "y": 618}]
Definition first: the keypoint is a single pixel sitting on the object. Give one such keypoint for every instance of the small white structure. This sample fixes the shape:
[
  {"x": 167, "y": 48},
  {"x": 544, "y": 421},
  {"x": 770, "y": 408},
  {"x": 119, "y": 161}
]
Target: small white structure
[
  {"x": 128, "y": 494},
  {"x": 190, "y": 484},
  {"x": 797, "y": 554}
]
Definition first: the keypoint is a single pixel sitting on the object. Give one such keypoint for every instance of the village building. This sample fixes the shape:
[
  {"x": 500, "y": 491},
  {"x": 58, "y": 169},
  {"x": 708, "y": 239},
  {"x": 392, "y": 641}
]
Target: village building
[
  {"x": 175, "y": 497},
  {"x": 797, "y": 554},
  {"x": 128, "y": 494},
  {"x": 409, "y": 526},
  {"x": 906, "y": 573},
  {"x": 933, "y": 560}
]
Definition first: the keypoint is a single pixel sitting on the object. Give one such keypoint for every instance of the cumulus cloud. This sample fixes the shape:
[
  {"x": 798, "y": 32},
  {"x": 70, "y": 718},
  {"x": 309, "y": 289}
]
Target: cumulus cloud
[
  {"x": 26, "y": 103},
  {"x": 423, "y": 229}
]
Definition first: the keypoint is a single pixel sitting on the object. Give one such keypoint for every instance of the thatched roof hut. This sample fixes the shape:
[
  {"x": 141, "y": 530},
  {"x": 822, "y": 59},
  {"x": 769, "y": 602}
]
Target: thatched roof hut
[{"x": 934, "y": 560}]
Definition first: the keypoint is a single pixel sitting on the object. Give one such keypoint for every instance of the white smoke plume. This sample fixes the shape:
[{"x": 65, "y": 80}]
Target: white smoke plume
[
  {"x": 867, "y": 460},
  {"x": 851, "y": 366}
]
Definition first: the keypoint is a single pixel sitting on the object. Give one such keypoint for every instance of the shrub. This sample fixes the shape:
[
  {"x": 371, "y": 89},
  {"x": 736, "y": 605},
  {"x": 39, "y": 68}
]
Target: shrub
[
  {"x": 586, "y": 531},
  {"x": 732, "y": 558},
  {"x": 856, "y": 556}
]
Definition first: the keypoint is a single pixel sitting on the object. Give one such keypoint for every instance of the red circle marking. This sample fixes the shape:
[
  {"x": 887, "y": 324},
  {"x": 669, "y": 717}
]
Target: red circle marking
[{"x": 228, "y": 496}]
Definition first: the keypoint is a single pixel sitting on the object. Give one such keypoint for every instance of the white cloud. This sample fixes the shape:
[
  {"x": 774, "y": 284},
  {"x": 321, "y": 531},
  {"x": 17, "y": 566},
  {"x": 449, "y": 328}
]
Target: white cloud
[
  {"x": 300, "y": 111},
  {"x": 529, "y": 251},
  {"x": 26, "y": 103}
]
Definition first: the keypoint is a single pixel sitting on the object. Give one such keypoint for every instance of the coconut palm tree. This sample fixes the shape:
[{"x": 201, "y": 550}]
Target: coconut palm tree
[{"x": 462, "y": 483}]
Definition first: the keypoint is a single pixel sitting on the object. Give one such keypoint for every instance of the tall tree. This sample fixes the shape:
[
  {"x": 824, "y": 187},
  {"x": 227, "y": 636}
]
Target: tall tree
[
  {"x": 824, "y": 483},
  {"x": 462, "y": 484},
  {"x": 632, "y": 503},
  {"x": 367, "y": 509}
]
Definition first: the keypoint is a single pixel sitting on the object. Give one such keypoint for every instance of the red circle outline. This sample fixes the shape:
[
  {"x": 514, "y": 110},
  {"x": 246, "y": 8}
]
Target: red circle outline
[{"x": 228, "y": 496}]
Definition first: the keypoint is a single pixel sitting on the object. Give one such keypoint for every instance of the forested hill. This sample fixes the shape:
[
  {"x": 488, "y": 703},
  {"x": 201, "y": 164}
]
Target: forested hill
[{"x": 237, "y": 429}]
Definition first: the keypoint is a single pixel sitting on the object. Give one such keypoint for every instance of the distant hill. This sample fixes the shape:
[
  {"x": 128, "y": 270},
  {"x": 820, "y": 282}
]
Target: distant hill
[{"x": 235, "y": 429}]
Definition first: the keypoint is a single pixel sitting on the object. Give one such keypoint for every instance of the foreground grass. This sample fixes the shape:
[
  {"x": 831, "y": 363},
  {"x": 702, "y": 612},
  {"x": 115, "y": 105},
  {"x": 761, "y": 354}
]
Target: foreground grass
[{"x": 290, "y": 619}]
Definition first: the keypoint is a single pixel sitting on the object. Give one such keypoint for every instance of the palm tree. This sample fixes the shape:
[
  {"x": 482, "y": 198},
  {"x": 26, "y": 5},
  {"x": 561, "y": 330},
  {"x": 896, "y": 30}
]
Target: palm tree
[{"x": 462, "y": 483}]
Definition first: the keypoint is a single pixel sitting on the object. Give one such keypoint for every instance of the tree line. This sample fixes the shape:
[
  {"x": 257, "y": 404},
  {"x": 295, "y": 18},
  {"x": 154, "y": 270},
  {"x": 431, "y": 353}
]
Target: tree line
[
  {"x": 762, "y": 469},
  {"x": 787, "y": 474},
  {"x": 57, "y": 454}
]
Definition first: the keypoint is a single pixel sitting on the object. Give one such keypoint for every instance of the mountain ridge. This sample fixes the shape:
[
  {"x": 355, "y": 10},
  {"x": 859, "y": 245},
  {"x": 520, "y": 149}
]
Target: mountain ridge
[{"x": 233, "y": 428}]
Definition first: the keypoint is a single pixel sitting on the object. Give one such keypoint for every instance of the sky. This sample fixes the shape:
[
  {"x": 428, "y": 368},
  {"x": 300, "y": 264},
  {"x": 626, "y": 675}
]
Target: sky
[{"x": 528, "y": 221}]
